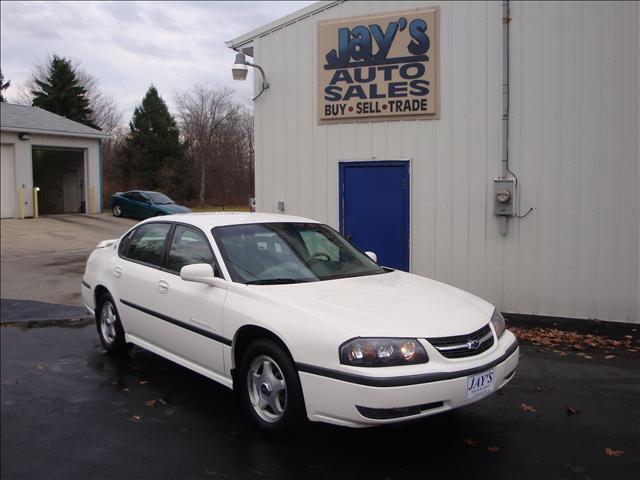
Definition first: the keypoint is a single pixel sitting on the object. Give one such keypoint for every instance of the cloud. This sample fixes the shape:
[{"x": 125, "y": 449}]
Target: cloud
[{"x": 130, "y": 45}]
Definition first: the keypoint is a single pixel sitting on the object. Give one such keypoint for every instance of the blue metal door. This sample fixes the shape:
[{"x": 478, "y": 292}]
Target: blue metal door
[{"x": 374, "y": 209}]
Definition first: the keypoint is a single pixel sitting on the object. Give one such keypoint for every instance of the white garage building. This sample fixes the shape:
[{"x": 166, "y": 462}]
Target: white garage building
[
  {"x": 57, "y": 156},
  {"x": 405, "y": 124}
]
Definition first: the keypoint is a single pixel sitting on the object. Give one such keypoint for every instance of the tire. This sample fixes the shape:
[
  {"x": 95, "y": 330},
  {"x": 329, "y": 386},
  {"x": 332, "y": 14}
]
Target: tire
[
  {"x": 117, "y": 211},
  {"x": 270, "y": 390},
  {"x": 109, "y": 326}
]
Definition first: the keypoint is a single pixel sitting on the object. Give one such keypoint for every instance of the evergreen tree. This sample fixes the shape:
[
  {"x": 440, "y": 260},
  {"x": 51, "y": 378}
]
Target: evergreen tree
[
  {"x": 61, "y": 92},
  {"x": 154, "y": 149},
  {"x": 3, "y": 86}
]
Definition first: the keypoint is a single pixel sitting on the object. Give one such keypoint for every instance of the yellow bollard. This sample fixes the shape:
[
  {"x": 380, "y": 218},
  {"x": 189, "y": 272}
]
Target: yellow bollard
[
  {"x": 21, "y": 207},
  {"x": 35, "y": 202},
  {"x": 94, "y": 203}
]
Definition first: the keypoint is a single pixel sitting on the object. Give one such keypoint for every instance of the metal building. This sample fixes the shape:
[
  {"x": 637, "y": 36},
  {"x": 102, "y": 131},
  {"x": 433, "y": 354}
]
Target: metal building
[
  {"x": 424, "y": 130},
  {"x": 49, "y": 159}
]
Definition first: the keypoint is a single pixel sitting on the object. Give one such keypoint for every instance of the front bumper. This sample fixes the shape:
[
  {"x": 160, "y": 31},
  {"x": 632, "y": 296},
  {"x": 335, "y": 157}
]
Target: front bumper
[{"x": 336, "y": 398}]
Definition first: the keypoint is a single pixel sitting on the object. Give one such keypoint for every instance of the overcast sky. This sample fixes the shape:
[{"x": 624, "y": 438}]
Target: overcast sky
[{"x": 129, "y": 45}]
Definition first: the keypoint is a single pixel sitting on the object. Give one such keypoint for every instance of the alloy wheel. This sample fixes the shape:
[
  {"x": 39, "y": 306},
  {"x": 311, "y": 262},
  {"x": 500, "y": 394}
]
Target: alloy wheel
[
  {"x": 267, "y": 388},
  {"x": 108, "y": 322}
]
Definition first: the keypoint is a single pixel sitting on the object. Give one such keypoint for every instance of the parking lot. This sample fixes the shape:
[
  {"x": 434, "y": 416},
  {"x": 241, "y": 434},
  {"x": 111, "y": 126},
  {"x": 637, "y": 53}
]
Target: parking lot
[
  {"x": 43, "y": 259},
  {"x": 71, "y": 411}
]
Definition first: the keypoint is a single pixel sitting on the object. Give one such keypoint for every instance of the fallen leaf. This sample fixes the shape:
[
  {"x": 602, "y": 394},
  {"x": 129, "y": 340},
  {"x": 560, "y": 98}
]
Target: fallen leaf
[
  {"x": 151, "y": 403},
  {"x": 162, "y": 401},
  {"x": 538, "y": 389},
  {"x": 613, "y": 453},
  {"x": 578, "y": 347},
  {"x": 493, "y": 449},
  {"x": 588, "y": 357},
  {"x": 470, "y": 442},
  {"x": 137, "y": 417},
  {"x": 628, "y": 336},
  {"x": 609, "y": 357},
  {"x": 125, "y": 389},
  {"x": 527, "y": 408},
  {"x": 572, "y": 410},
  {"x": 143, "y": 382}
]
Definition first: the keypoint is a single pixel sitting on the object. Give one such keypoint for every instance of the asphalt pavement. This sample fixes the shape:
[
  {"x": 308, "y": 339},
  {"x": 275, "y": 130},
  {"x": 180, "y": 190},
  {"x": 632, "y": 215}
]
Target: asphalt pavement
[{"x": 71, "y": 411}]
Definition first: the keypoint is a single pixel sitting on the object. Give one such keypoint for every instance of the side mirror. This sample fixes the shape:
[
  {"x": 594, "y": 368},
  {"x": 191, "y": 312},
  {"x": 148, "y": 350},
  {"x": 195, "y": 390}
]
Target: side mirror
[
  {"x": 372, "y": 256},
  {"x": 202, "y": 273}
]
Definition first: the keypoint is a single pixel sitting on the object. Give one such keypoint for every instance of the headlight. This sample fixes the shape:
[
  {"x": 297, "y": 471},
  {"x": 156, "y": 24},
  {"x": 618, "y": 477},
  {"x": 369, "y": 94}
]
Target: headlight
[
  {"x": 382, "y": 352},
  {"x": 498, "y": 323}
]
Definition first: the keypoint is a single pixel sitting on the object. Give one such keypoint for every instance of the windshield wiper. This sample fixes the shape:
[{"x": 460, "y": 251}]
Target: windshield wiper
[{"x": 276, "y": 281}]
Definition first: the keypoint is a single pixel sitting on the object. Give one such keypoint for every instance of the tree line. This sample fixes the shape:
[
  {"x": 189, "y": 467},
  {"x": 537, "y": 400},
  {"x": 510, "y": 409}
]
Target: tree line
[{"x": 204, "y": 155}]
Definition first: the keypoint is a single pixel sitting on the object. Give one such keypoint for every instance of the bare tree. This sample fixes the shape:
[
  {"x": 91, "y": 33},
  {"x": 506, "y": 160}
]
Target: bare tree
[
  {"x": 107, "y": 114},
  {"x": 202, "y": 114}
]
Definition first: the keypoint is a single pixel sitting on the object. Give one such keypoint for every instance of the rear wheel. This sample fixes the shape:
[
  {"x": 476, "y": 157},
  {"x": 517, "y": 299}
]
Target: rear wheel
[
  {"x": 270, "y": 388},
  {"x": 109, "y": 326},
  {"x": 117, "y": 211}
]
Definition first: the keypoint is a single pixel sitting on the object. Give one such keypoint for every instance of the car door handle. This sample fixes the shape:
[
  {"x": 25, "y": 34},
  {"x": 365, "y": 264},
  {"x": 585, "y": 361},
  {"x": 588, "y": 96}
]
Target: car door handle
[
  {"x": 163, "y": 287},
  {"x": 117, "y": 272}
]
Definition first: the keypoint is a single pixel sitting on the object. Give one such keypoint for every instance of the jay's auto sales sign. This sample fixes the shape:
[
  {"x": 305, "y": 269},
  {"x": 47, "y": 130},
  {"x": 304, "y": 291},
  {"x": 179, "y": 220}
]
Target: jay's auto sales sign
[{"x": 378, "y": 67}]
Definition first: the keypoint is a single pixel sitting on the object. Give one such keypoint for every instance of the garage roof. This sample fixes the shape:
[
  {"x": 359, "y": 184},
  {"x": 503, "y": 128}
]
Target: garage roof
[{"x": 22, "y": 118}]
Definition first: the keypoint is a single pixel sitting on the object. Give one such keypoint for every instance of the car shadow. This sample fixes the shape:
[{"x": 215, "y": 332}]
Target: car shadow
[{"x": 209, "y": 411}]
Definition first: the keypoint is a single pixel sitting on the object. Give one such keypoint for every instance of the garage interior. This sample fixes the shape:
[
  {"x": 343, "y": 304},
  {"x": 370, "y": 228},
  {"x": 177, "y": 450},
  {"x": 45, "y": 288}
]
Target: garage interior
[{"x": 59, "y": 174}]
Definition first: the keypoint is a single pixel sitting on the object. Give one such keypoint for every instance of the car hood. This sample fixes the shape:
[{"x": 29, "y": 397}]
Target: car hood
[
  {"x": 172, "y": 208},
  {"x": 392, "y": 304}
]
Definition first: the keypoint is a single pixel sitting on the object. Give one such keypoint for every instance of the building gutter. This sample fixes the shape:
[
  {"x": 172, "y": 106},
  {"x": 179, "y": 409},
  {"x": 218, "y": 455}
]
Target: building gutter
[{"x": 57, "y": 133}]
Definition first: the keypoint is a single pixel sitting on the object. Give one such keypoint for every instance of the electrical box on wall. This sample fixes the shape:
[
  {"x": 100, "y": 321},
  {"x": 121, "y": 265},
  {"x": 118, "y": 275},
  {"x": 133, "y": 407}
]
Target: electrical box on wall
[{"x": 503, "y": 195}]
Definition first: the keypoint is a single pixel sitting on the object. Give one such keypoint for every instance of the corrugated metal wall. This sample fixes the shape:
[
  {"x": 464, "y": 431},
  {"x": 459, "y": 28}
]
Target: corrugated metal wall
[{"x": 573, "y": 143}]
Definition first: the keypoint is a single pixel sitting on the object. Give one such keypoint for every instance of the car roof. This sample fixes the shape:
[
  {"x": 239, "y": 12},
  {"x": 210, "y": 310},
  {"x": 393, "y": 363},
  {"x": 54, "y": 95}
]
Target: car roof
[{"x": 208, "y": 220}]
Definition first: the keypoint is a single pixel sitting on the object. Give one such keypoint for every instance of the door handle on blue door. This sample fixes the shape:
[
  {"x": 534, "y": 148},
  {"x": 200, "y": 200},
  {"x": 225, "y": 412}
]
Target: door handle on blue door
[
  {"x": 117, "y": 272},
  {"x": 163, "y": 287}
]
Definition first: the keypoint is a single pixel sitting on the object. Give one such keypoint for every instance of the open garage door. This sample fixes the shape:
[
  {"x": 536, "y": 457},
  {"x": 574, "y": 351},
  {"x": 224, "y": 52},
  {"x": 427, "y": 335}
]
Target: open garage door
[
  {"x": 7, "y": 189},
  {"x": 60, "y": 175}
]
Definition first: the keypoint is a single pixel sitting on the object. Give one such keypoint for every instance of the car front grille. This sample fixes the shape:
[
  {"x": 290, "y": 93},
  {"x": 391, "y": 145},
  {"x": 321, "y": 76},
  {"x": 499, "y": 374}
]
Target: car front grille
[{"x": 462, "y": 346}]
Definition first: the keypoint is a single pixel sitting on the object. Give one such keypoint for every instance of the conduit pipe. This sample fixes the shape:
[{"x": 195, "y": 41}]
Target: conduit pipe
[{"x": 506, "y": 19}]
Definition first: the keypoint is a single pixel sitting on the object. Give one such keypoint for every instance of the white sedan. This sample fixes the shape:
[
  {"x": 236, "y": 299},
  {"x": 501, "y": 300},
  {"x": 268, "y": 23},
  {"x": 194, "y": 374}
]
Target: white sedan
[{"x": 298, "y": 320}]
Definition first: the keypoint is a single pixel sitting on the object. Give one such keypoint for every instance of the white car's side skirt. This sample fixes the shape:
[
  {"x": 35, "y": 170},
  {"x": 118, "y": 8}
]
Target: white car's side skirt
[{"x": 227, "y": 382}]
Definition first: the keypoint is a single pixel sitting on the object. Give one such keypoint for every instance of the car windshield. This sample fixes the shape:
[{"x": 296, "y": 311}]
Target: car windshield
[
  {"x": 156, "y": 197},
  {"x": 278, "y": 253}
]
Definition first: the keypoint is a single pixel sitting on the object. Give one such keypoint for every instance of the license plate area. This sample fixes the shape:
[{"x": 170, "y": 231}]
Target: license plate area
[{"x": 481, "y": 384}]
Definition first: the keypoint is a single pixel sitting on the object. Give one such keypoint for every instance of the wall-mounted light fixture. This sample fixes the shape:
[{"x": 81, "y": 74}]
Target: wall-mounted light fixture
[
  {"x": 240, "y": 70},
  {"x": 24, "y": 136}
]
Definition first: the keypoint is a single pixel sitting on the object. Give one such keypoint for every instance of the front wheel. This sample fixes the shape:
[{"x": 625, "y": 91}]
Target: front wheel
[
  {"x": 109, "y": 326},
  {"x": 117, "y": 211},
  {"x": 270, "y": 388}
]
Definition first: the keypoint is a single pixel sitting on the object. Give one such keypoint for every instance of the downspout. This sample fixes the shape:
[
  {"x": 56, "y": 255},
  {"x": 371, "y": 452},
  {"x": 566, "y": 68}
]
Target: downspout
[
  {"x": 100, "y": 174},
  {"x": 505, "y": 103},
  {"x": 505, "y": 88}
]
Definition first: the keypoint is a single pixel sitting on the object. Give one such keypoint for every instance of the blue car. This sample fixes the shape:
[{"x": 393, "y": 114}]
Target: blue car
[{"x": 141, "y": 204}]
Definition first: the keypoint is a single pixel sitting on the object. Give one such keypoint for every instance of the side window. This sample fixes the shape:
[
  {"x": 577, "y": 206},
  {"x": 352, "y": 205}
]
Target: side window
[
  {"x": 147, "y": 242},
  {"x": 188, "y": 246},
  {"x": 320, "y": 246},
  {"x": 124, "y": 244}
]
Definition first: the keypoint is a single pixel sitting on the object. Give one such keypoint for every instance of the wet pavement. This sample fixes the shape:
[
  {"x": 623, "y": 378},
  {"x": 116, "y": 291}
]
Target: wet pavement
[
  {"x": 43, "y": 258},
  {"x": 70, "y": 411}
]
